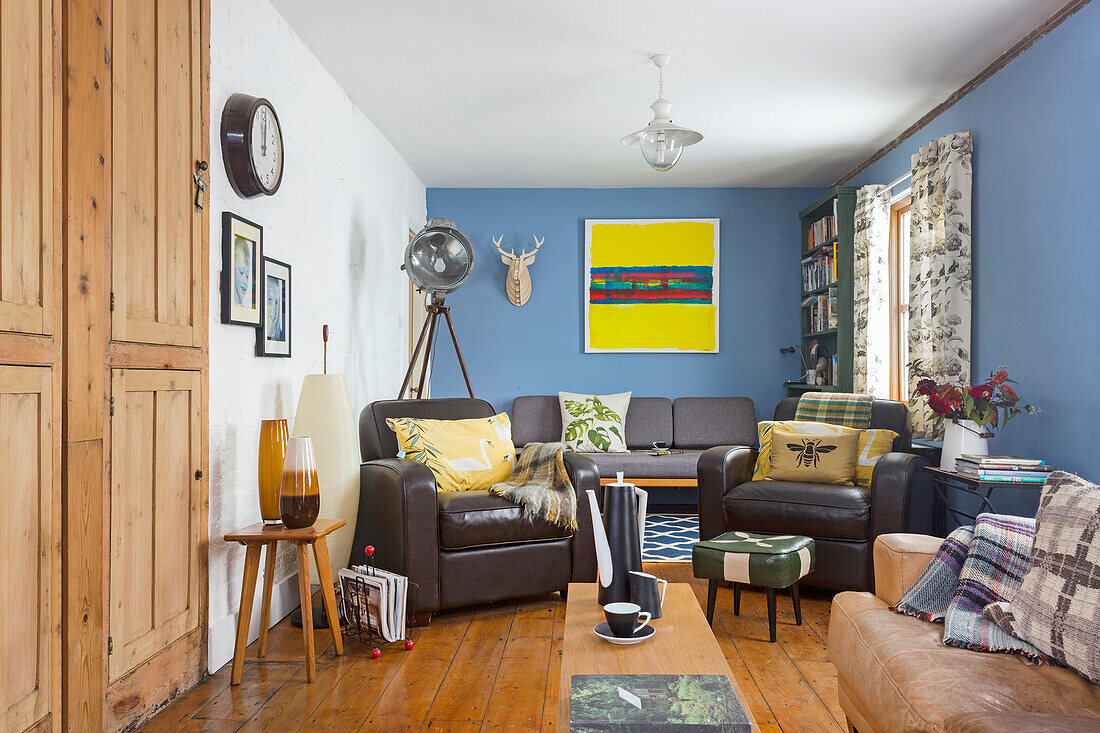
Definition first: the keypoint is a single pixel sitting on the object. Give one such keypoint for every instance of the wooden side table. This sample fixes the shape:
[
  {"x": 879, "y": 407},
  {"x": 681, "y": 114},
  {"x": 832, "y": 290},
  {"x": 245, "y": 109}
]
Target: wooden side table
[
  {"x": 255, "y": 538},
  {"x": 983, "y": 490}
]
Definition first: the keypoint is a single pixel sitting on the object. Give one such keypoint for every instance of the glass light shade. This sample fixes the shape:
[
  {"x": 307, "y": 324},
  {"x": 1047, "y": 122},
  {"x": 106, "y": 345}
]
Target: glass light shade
[
  {"x": 299, "y": 498},
  {"x": 273, "y": 438},
  {"x": 661, "y": 148}
]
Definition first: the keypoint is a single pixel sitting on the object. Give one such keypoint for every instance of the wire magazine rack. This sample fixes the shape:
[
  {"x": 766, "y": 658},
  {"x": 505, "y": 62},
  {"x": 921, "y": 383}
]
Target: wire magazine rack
[{"x": 356, "y": 605}]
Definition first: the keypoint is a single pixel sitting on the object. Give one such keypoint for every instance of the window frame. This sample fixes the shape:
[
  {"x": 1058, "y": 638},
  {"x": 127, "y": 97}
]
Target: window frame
[{"x": 898, "y": 209}]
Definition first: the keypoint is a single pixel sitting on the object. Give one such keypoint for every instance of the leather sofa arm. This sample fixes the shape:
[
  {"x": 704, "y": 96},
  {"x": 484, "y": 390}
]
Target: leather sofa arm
[
  {"x": 719, "y": 470},
  {"x": 899, "y": 559},
  {"x": 988, "y": 721},
  {"x": 399, "y": 516},
  {"x": 584, "y": 476},
  {"x": 891, "y": 484}
]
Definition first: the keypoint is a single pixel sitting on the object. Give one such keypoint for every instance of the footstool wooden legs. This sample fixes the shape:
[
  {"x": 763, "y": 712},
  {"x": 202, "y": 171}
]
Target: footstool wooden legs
[{"x": 774, "y": 562}]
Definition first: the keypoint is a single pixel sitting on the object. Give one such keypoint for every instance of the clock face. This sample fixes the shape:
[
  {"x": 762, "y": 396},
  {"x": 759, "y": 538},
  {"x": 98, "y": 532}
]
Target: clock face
[{"x": 266, "y": 152}]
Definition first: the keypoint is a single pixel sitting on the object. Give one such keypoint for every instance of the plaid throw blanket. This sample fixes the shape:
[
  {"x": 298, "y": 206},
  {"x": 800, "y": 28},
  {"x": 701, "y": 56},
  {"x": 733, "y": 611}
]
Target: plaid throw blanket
[
  {"x": 930, "y": 596},
  {"x": 975, "y": 566},
  {"x": 837, "y": 408},
  {"x": 541, "y": 485},
  {"x": 999, "y": 556}
]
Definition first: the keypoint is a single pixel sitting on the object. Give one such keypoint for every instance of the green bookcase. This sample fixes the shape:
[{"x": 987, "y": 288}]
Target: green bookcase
[{"x": 838, "y": 340}]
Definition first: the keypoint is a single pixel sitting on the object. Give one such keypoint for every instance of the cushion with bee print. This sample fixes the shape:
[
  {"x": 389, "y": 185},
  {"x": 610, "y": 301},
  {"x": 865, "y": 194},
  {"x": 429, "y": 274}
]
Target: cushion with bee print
[
  {"x": 814, "y": 459},
  {"x": 873, "y": 443}
]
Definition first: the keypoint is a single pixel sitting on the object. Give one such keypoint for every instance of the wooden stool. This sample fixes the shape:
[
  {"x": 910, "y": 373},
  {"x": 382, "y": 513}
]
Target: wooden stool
[
  {"x": 254, "y": 538},
  {"x": 772, "y": 561}
]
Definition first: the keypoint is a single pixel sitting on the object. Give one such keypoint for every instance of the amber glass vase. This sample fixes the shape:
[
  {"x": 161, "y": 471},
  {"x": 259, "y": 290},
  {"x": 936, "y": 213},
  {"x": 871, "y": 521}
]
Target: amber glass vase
[
  {"x": 299, "y": 499},
  {"x": 273, "y": 438}
]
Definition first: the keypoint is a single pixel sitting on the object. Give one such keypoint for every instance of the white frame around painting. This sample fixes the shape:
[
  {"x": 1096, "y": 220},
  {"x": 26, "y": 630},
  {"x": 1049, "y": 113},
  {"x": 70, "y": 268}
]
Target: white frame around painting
[
  {"x": 234, "y": 228},
  {"x": 715, "y": 269}
]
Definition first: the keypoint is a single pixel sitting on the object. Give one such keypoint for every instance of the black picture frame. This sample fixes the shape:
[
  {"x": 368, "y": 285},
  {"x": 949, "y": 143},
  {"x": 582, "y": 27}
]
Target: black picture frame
[
  {"x": 232, "y": 227},
  {"x": 275, "y": 347}
]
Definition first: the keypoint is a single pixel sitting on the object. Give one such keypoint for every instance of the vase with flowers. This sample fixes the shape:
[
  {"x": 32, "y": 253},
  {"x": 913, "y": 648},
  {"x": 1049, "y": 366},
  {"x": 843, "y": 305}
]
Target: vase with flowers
[{"x": 971, "y": 413}]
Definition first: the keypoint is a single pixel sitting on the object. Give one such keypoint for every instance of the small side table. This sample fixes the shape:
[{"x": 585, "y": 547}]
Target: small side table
[
  {"x": 942, "y": 480},
  {"x": 255, "y": 538}
]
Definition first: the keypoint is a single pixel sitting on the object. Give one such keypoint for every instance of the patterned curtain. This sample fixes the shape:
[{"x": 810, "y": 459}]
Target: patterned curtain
[
  {"x": 871, "y": 302},
  {"x": 939, "y": 270}
]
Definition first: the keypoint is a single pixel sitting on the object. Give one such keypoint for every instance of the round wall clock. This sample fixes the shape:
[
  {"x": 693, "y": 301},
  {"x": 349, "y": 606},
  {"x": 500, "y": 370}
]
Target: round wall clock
[{"x": 252, "y": 145}]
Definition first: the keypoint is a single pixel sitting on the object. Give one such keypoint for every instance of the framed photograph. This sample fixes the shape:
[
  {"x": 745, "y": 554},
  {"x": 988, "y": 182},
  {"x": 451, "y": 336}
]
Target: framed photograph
[
  {"x": 651, "y": 285},
  {"x": 273, "y": 336},
  {"x": 242, "y": 270}
]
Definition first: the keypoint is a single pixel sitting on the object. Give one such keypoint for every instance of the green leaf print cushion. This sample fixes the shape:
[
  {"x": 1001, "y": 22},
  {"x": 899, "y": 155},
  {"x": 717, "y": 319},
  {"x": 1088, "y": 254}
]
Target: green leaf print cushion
[{"x": 594, "y": 423}]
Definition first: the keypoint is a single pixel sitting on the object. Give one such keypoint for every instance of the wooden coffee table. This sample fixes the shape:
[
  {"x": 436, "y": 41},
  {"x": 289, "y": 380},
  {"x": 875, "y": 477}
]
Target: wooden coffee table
[{"x": 683, "y": 644}]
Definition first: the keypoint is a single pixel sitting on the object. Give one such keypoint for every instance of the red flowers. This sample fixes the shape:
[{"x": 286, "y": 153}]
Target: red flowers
[
  {"x": 991, "y": 403},
  {"x": 939, "y": 405},
  {"x": 980, "y": 391}
]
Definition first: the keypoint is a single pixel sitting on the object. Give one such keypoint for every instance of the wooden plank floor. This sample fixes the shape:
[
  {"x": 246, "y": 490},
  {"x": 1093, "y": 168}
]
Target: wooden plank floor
[{"x": 495, "y": 667}]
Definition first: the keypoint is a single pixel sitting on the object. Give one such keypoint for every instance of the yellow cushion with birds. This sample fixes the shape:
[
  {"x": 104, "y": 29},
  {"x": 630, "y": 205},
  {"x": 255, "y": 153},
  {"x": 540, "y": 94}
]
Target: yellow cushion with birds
[
  {"x": 873, "y": 443},
  {"x": 464, "y": 455},
  {"x": 815, "y": 459}
]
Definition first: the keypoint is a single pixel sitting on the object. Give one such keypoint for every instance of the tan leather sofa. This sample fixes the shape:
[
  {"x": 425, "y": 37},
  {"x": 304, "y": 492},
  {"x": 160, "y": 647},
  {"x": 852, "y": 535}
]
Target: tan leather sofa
[{"x": 895, "y": 674}]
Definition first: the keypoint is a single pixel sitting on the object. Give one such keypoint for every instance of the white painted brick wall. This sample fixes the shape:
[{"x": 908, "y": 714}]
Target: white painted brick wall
[{"x": 341, "y": 220}]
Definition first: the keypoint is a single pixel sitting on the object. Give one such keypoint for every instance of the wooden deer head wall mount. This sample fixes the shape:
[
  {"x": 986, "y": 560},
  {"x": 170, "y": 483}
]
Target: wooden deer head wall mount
[{"x": 518, "y": 282}]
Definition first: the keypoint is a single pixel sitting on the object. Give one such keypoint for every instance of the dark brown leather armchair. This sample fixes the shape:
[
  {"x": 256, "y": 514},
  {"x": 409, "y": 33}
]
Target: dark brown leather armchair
[
  {"x": 843, "y": 520},
  {"x": 461, "y": 548}
]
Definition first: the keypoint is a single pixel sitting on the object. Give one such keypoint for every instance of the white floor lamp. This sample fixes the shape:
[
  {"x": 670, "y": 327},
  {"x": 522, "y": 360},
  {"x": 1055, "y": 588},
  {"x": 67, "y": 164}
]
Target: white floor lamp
[{"x": 324, "y": 414}]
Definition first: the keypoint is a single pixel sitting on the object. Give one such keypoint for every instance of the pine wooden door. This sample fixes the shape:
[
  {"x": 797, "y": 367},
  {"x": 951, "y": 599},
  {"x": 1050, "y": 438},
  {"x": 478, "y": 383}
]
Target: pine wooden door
[
  {"x": 156, "y": 131},
  {"x": 156, "y": 533},
  {"x": 27, "y": 183},
  {"x": 30, "y": 355},
  {"x": 29, "y": 574}
]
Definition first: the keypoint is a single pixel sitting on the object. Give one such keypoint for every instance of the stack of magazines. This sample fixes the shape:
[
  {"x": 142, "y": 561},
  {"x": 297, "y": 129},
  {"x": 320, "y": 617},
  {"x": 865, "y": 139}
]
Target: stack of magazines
[
  {"x": 374, "y": 600},
  {"x": 1002, "y": 469}
]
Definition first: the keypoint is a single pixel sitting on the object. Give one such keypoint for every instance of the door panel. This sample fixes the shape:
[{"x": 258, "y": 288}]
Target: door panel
[
  {"x": 27, "y": 458},
  {"x": 26, "y": 166},
  {"x": 156, "y": 119},
  {"x": 156, "y": 448}
]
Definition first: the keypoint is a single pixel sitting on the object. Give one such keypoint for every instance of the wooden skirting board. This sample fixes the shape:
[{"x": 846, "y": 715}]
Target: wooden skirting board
[{"x": 685, "y": 482}]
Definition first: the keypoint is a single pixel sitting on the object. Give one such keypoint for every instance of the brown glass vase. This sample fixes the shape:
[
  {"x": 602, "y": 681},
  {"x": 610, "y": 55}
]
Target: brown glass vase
[
  {"x": 299, "y": 499},
  {"x": 273, "y": 438}
]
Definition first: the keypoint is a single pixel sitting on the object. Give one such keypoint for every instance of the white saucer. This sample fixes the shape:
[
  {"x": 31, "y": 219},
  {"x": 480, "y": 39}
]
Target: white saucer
[{"x": 604, "y": 632}]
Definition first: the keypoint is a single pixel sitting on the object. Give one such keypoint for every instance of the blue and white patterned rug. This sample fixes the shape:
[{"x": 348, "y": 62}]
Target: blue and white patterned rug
[{"x": 669, "y": 537}]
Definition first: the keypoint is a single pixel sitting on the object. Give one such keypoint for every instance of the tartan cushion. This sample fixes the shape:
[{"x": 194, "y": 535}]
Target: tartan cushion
[
  {"x": 998, "y": 558},
  {"x": 1057, "y": 608},
  {"x": 929, "y": 597},
  {"x": 838, "y": 408},
  {"x": 772, "y": 561}
]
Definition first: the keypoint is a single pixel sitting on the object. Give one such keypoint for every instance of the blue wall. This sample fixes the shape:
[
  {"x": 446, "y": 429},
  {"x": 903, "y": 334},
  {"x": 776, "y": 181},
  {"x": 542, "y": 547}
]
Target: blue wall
[
  {"x": 1036, "y": 305},
  {"x": 539, "y": 348}
]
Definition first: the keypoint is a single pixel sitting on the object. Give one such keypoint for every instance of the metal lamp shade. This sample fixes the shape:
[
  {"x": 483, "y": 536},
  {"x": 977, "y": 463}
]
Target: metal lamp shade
[
  {"x": 324, "y": 414},
  {"x": 440, "y": 258}
]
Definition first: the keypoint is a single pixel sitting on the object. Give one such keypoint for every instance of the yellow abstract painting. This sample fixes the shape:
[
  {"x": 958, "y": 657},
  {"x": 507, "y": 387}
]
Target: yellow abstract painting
[{"x": 651, "y": 285}]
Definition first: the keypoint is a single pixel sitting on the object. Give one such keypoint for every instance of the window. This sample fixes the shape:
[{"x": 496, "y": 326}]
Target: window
[{"x": 899, "y": 299}]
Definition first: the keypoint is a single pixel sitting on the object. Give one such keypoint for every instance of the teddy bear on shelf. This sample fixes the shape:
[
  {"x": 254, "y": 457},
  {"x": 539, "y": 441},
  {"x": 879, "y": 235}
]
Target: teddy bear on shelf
[{"x": 819, "y": 358}]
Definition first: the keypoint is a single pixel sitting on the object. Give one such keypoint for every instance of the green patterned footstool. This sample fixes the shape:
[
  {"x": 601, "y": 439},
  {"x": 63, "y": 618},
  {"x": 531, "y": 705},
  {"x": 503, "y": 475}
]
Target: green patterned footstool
[{"x": 771, "y": 561}]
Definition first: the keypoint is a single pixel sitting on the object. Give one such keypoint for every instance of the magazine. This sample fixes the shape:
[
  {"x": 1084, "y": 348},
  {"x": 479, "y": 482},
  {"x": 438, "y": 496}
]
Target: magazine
[{"x": 375, "y": 600}]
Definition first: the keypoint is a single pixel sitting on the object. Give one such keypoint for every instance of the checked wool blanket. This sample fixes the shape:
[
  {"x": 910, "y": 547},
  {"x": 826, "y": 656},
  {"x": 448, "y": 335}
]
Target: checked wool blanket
[
  {"x": 835, "y": 408},
  {"x": 540, "y": 484},
  {"x": 974, "y": 567}
]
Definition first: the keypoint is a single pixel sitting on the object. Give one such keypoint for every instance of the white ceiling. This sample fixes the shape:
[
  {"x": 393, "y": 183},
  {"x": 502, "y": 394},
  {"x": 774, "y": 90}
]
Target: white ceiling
[{"x": 514, "y": 93}]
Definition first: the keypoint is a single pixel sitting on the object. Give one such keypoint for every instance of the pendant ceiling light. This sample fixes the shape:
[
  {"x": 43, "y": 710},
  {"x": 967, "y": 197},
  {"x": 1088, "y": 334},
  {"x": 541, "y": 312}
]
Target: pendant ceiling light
[{"x": 662, "y": 142}]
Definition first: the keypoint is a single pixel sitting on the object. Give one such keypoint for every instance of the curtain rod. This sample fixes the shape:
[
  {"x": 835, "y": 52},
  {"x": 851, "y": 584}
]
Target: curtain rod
[{"x": 907, "y": 175}]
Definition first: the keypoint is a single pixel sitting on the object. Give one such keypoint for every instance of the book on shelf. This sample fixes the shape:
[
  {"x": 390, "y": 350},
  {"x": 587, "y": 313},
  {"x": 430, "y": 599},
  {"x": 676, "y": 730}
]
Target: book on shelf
[
  {"x": 819, "y": 270},
  {"x": 986, "y": 461},
  {"x": 994, "y": 475},
  {"x": 821, "y": 310},
  {"x": 647, "y": 703},
  {"x": 376, "y": 599},
  {"x": 1012, "y": 479},
  {"x": 996, "y": 469},
  {"x": 822, "y": 230}
]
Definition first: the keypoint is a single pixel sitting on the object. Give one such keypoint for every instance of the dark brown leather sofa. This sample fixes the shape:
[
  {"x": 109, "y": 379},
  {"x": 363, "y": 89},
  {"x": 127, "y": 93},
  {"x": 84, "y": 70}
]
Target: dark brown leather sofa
[
  {"x": 843, "y": 520},
  {"x": 461, "y": 548}
]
